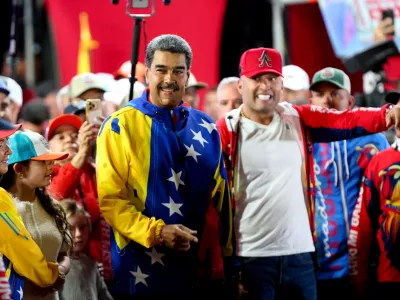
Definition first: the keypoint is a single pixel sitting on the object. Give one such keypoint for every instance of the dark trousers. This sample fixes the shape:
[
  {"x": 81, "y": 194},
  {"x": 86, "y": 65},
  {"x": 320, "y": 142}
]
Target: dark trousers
[
  {"x": 279, "y": 277},
  {"x": 335, "y": 289}
]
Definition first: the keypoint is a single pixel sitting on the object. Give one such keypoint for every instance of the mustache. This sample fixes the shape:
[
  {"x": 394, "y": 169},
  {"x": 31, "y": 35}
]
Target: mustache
[{"x": 172, "y": 86}]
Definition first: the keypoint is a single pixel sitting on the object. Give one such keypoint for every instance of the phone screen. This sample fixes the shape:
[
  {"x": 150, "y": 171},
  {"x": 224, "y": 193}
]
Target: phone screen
[
  {"x": 388, "y": 13},
  {"x": 93, "y": 111}
]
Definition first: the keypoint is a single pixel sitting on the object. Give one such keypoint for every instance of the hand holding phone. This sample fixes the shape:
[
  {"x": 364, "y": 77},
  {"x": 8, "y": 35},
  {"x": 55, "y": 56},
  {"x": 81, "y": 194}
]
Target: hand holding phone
[{"x": 389, "y": 25}]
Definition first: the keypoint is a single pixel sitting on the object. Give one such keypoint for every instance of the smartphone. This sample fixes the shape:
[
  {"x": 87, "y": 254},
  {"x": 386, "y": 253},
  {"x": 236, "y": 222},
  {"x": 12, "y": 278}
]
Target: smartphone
[
  {"x": 388, "y": 13},
  {"x": 140, "y": 3},
  {"x": 93, "y": 111}
]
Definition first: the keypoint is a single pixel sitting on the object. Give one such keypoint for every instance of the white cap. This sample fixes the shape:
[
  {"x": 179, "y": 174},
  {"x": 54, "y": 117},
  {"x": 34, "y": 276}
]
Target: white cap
[
  {"x": 192, "y": 82},
  {"x": 295, "y": 78},
  {"x": 120, "y": 93},
  {"x": 14, "y": 88},
  {"x": 84, "y": 82}
]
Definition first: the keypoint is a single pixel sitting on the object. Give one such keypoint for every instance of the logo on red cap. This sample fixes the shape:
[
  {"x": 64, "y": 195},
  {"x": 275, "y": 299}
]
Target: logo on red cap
[{"x": 265, "y": 60}]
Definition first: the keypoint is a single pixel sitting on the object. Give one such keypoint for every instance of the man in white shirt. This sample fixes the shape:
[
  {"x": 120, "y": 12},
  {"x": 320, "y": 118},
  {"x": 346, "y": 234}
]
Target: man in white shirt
[{"x": 268, "y": 156}]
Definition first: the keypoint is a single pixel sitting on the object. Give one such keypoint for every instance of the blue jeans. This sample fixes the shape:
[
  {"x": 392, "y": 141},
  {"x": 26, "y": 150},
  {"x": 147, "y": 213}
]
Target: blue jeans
[{"x": 279, "y": 277}]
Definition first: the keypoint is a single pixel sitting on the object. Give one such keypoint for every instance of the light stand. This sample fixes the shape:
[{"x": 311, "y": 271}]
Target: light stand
[{"x": 138, "y": 18}]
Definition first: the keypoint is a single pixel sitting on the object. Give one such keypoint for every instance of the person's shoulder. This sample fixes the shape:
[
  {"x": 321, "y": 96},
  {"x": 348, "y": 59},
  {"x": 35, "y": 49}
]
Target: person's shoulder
[
  {"x": 4, "y": 193},
  {"x": 198, "y": 114},
  {"x": 376, "y": 139},
  {"x": 5, "y": 199}
]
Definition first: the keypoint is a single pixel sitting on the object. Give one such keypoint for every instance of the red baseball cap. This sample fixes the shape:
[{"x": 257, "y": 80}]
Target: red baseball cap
[
  {"x": 260, "y": 60},
  {"x": 66, "y": 119}
]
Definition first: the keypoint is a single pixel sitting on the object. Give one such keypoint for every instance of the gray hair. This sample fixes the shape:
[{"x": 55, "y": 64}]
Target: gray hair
[
  {"x": 171, "y": 43},
  {"x": 226, "y": 81}
]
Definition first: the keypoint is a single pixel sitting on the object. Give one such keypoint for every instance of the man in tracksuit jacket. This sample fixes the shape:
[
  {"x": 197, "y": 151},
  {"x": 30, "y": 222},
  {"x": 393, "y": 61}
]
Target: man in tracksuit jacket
[
  {"x": 374, "y": 238},
  {"x": 162, "y": 185},
  {"x": 268, "y": 155},
  {"x": 339, "y": 167}
]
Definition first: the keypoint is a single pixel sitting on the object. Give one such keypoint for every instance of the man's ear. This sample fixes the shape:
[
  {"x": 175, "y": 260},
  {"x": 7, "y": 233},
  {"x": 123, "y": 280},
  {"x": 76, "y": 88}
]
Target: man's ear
[
  {"x": 147, "y": 74},
  {"x": 188, "y": 76},
  {"x": 351, "y": 102},
  {"x": 240, "y": 86}
]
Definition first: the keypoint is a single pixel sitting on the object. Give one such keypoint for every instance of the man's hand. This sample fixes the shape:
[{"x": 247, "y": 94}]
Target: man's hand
[
  {"x": 393, "y": 117},
  {"x": 178, "y": 237},
  {"x": 385, "y": 27}
]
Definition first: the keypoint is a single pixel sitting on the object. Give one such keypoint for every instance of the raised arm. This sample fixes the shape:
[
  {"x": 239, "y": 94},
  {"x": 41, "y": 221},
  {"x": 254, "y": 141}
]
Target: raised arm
[{"x": 327, "y": 125}]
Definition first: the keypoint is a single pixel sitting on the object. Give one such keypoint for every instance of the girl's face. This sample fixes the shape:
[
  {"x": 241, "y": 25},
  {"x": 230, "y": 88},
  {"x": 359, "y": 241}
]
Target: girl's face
[
  {"x": 79, "y": 229},
  {"x": 38, "y": 173}
]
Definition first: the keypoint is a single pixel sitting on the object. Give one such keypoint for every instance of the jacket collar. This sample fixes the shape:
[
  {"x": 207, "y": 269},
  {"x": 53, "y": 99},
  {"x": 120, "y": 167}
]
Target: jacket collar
[
  {"x": 164, "y": 115},
  {"x": 232, "y": 118}
]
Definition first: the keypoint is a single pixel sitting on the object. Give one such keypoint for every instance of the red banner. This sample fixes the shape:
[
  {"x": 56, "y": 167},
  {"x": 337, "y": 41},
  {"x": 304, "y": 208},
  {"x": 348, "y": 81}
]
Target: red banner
[{"x": 199, "y": 22}]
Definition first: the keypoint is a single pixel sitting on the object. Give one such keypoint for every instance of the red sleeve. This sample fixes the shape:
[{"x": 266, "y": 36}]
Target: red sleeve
[
  {"x": 327, "y": 125},
  {"x": 64, "y": 182},
  {"x": 223, "y": 132},
  {"x": 361, "y": 230}
]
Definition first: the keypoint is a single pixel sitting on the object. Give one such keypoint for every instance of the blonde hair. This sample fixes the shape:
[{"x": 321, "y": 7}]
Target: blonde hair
[{"x": 72, "y": 208}]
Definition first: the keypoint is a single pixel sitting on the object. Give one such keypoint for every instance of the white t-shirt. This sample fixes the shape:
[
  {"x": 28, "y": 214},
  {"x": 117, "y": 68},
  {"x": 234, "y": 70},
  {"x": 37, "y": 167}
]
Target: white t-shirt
[{"x": 271, "y": 216}]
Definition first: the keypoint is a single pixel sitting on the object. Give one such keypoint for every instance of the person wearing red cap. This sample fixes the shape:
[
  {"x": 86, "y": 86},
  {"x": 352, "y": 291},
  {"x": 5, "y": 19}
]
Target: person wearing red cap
[
  {"x": 268, "y": 155},
  {"x": 75, "y": 177}
]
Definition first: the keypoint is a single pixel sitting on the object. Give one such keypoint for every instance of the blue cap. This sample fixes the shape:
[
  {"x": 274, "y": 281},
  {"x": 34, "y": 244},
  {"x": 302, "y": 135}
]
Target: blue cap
[
  {"x": 76, "y": 107},
  {"x": 7, "y": 129},
  {"x": 3, "y": 87},
  {"x": 31, "y": 145}
]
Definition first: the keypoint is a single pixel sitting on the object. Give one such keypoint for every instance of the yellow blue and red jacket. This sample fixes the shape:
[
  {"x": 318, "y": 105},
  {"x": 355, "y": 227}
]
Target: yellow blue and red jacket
[
  {"x": 157, "y": 166},
  {"x": 22, "y": 256}
]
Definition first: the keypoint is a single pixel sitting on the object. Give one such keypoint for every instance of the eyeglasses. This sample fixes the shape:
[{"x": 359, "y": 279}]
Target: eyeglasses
[{"x": 4, "y": 144}]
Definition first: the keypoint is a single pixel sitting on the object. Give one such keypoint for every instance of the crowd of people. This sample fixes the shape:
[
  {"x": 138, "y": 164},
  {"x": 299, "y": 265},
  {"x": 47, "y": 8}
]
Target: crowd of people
[{"x": 281, "y": 188}]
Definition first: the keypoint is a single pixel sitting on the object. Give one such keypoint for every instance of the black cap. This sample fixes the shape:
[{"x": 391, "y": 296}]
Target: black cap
[{"x": 393, "y": 97}]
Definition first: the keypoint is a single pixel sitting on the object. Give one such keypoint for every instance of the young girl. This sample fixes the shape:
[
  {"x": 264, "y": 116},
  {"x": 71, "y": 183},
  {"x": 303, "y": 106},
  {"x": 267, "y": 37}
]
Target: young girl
[
  {"x": 30, "y": 166},
  {"x": 84, "y": 280}
]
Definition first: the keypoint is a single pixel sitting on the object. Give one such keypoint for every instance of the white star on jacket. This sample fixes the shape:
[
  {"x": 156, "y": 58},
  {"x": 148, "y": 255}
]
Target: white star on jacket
[
  {"x": 199, "y": 137},
  {"x": 176, "y": 178},
  {"x": 139, "y": 276},
  {"x": 174, "y": 208},
  {"x": 209, "y": 126},
  {"x": 155, "y": 256},
  {"x": 192, "y": 152},
  {"x": 21, "y": 293}
]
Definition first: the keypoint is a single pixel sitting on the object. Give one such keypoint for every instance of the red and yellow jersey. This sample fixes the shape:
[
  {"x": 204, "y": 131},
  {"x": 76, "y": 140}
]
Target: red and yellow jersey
[{"x": 376, "y": 220}]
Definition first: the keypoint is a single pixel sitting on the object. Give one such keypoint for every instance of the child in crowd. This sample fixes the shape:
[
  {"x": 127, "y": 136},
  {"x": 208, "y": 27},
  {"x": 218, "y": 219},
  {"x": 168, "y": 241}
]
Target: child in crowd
[{"x": 84, "y": 281}]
